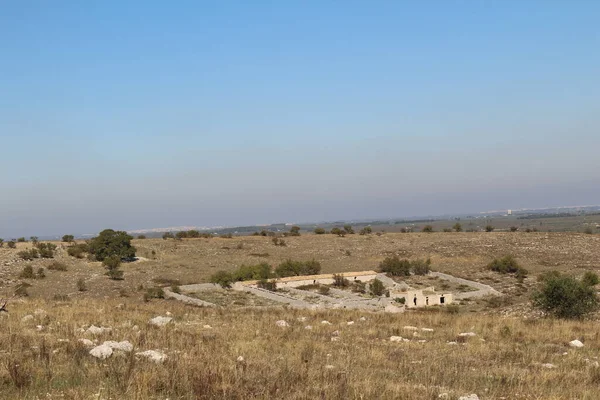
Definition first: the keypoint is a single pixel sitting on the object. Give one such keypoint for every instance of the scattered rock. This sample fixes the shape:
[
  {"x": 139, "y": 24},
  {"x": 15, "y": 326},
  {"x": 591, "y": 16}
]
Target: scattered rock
[
  {"x": 452, "y": 343},
  {"x": 335, "y": 338},
  {"x": 362, "y": 319},
  {"x": 329, "y": 366},
  {"x": 308, "y": 327},
  {"x": 160, "y": 321},
  {"x": 469, "y": 397},
  {"x": 153, "y": 355},
  {"x": 86, "y": 342},
  {"x": 575, "y": 343},
  {"x": 240, "y": 359},
  {"x": 325, "y": 322},
  {"x": 410, "y": 328},
  {"x": 302, "y": 319},
  {"x": 467, "y": 334},
  {"x": 282, "y": 324},
  {"x": 396, "y": 339},
  {"x": 335, "y": 333},
  {"x": 123, "y": 346},
  {"x": 350, "y": 323},
  {"x": 102, "y": 352},
  {"x": 97, "y": 330},
  {"x": 426, "y": 329},
  {"x": 548, "y": 365},
  {"x": 207, "y": 327}
]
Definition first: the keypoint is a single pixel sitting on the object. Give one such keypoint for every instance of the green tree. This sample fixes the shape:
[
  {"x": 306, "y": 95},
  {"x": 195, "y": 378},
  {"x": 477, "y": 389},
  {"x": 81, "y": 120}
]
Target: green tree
[
  {"x": 222, "y": 278},
  {"x": 377, "y": 288},
  {"x": 141, "y": 237},
  {"x": 319, "y": 231},
  {"x": 112, "y": 243},
  {"x": 427, "y": 229},
  {"x": 457, "y": 227},
  {"x": 21, "y": 240},
  {"x": 349, "y": 230},
  {"x": 294, "y": 231},
  {"x": 514, "y": 228},
  {"x": 167, "y": 235},
  {"x": 11, "y": 244},
  {"x": 565, "y": 297},
  {"x": 34, "y": 240},
  {"x": 1, "y": 243},
  {"x": 68, "y": 238},
  {"x": 489, "y": 228}
]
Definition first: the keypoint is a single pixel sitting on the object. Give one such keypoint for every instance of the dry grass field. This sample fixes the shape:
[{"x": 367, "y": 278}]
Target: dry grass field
[
  {"x": 507, "y": 358},
  {"x": 239, "y": 352}
]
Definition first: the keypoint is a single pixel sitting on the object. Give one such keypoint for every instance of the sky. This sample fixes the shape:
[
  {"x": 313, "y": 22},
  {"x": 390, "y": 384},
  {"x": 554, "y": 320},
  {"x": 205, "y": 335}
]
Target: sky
[{"x": 147, "y": 114}]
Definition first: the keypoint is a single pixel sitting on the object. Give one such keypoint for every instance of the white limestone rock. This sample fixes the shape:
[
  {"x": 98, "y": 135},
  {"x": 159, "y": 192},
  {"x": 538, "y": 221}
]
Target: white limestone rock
[
  {"x": 153, "y": 355},
  {"x": 27, "y": 318},
  {"x": 86, "y": 342},
  {"x": 575, "y": 343},
  {"x": 123, "y": 346},
  {"x": 160, "y": 321},
  {"x": 101, "y": 352},
  {"x": 282, "y": 323}
]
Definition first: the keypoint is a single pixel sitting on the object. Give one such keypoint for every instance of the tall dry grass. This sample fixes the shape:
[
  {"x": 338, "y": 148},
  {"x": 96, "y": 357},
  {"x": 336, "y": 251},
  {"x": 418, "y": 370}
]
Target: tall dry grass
[{"x": 503, "y": 360}]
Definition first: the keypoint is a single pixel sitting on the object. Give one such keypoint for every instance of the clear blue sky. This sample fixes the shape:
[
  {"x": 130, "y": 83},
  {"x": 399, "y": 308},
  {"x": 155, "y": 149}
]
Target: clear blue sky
[{"x": 139, "y": 114}]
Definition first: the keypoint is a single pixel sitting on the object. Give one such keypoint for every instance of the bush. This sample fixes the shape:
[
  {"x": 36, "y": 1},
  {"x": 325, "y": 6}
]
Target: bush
[
  {"x": 168, "y": 235},
  {"x": 40, "y": 273},
  {"x": 489, "y": 228},
  {"x": 340, "y": 281},
  {"x": 81, "y": 285},
  {"x": 590, "y": 279},
  {"x": 11, "y": 244},
  {"x": 21, "y": 240},
  {"x": 68, "y": 238},
  {"x": 141, "y": 237},
  {"x": 588, "y": 231},
  {"x": 348, "y": 229},
  {"x": 295, "y": 231},
  {"x": 395, "y": 267},
  {"x": 319, "y": 231},
  {"x": 367, "y": 230},
  {"x": 78, "y": 250},
  {"x": 267, "y": 285},
  {"x": 507, "y": 265},
  {"x": 260, "y": 271},
  {"x": 28, "y": 255},
  {"x": 401, "y": 300},
  {"x": 222, "y": 278},
  {"x": 565, "y": 297},
  {"x": 112, "y": 243},
  {"x": 27, "y": 273},
  {"x": 457, "y": 227},
  {"x": 514, "y": 228},
  {"x": 376, "y": 288},
  {"x": 338, "y": 231},
  {"x": 154, "y": 293},
  {"x": 112, "y": 264},
  {"x": 427, "y": 229},
  {"x": 296, "y": 268},
  {"x": 1, "y": 242},
  {"x": 46, "y": 249},
  {"x": 421, "y": 267},
  {"x": 226, "y": 236}
]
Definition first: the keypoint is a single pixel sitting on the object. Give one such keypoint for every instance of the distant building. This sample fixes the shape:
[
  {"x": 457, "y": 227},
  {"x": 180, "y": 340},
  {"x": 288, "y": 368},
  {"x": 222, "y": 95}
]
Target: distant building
[
  {"x": 509, "y": 212},
  {"x": 422, "y": 297}
]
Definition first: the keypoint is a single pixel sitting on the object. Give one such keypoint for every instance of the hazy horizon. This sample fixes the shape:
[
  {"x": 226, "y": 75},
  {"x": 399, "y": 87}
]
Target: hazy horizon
[{"x": 141, "y": 115}]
